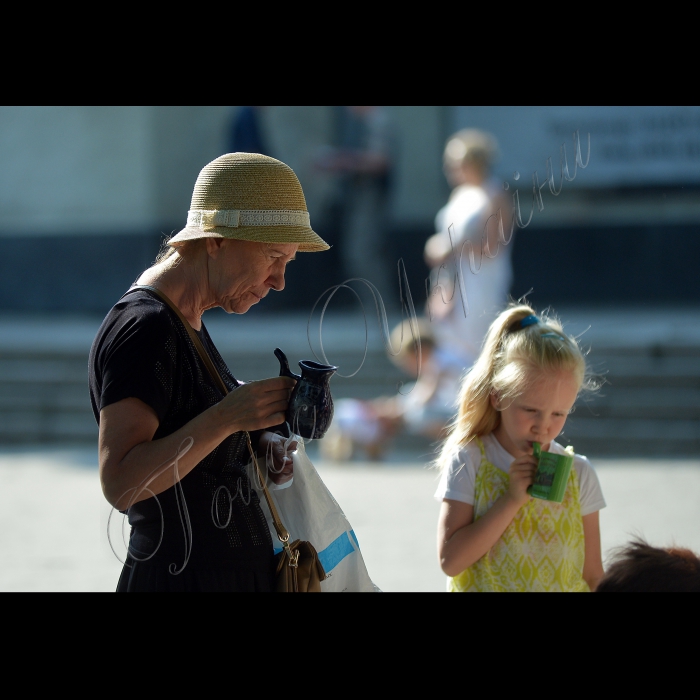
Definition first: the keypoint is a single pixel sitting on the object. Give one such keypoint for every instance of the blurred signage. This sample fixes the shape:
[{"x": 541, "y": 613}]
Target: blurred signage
[{"x": 629, "y": 146}]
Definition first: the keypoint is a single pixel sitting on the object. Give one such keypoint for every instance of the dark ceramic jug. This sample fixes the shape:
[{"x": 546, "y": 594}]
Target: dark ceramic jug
[{"x": 310, "y": 409}]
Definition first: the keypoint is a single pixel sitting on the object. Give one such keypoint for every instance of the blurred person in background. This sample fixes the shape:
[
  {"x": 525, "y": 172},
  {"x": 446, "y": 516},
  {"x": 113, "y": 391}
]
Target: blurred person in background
[
  {"x": 173, "y": 446},
  {"x": 422, "y": 407},
  {"x": 246, "y": 133},
  {"x": 363, "y": 161},
  {"x": 461, "y": 318}
]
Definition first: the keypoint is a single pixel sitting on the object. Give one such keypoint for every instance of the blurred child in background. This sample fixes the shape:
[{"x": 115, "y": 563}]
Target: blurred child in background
[{"x": 422, "y": 407}]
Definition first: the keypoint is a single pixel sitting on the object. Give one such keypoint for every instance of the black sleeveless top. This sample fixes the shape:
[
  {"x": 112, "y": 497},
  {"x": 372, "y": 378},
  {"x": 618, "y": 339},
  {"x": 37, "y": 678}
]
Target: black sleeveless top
[{"x": 208, "y": 531}]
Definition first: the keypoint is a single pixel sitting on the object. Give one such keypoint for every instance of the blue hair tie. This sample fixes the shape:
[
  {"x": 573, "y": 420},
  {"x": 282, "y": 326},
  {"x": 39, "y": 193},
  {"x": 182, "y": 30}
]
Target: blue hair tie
[
  {"x": 550, "y": 335},
  {"x": 529, "y": 321}
]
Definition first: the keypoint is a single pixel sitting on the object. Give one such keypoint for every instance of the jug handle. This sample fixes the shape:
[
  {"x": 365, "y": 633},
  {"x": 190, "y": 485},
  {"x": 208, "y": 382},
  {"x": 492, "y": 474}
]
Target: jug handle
[{"x": 284, "y": 365}]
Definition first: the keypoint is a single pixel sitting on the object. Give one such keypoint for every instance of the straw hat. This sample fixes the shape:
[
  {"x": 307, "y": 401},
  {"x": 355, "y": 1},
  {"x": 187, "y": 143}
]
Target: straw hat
[{"x": 250, "y": 197}]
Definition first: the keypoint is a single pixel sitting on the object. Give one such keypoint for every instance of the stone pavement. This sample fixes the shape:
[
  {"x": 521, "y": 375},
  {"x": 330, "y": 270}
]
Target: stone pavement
[{"x": 53, "y": 517}]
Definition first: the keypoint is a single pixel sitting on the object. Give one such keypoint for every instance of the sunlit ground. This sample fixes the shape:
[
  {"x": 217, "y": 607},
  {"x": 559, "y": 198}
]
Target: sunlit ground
[{"x": 53, "y": 518}]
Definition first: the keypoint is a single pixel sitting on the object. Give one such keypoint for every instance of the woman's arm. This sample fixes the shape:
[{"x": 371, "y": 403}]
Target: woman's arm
[
  {"x": 593, "y": 563},
  {"x": 461, "y": 541},
  {"x": 437, "y": 249},
  {"x": 130, "y": 460}
]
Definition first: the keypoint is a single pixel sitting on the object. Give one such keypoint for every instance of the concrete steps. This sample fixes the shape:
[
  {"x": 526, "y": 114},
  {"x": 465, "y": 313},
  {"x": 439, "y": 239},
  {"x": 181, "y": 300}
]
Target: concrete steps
[
  {"x": 44, "y": 397},
  {"x": 649, "y": 404}
]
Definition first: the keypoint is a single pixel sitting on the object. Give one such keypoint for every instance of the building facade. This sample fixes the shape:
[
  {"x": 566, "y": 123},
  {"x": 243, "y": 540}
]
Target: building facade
[{"x": 87, "y": 195}]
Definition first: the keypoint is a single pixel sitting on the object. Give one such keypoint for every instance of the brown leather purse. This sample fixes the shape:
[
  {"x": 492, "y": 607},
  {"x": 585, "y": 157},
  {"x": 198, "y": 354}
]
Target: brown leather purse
[{"x": 298, "y": 569}]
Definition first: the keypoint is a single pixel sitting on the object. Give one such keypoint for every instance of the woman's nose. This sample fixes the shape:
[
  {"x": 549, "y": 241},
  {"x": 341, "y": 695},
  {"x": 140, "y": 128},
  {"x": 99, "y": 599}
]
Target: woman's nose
[{"x": 276, "y": 281}]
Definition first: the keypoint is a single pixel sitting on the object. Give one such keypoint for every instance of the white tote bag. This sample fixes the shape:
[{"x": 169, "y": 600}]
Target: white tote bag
[{"x": 309, "y": 512}]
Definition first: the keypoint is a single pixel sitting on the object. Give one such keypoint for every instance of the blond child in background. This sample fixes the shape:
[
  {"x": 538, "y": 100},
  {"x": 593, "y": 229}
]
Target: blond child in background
[
  {"x": 424, "y": 406},
  {"x": 492, "y": 535}
]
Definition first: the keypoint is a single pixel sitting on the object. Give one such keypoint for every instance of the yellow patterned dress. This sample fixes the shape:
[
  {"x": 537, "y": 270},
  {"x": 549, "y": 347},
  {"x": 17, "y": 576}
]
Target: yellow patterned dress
[{"x": 543, "y": 549}]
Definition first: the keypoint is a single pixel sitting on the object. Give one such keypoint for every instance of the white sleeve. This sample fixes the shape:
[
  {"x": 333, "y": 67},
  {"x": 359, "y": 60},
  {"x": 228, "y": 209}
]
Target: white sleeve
[
  {"x": 458, "y": 479},
  {"x": 590, "y": 493}
]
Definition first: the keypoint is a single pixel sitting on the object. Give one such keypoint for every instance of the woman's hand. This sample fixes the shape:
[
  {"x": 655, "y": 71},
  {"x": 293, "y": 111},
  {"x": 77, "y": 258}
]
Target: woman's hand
[
  {"x": 522, "y": 474},
  {"x": 256, "y": 405},
  {"x": 277, "y": 452}
]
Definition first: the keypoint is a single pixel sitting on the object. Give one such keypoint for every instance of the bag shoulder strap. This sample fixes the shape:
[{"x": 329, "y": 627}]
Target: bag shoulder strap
[
  {"x": 203, "y": 354},
  {"x": 282, "y": 532}
]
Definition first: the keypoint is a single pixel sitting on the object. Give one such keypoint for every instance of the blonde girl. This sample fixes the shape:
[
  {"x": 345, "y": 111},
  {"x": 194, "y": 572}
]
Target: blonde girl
[{"x": 492, "y": 535}]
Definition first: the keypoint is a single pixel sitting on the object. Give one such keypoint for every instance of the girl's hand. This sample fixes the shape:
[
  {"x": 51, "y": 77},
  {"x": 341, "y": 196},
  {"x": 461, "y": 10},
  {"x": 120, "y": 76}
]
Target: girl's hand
[
  {"x": 522, "y": 474},
  {"x": 278, "y": 459}
]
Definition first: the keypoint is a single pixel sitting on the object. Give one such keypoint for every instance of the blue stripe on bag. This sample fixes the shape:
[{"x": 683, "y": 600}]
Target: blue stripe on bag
[{"x": 335, "y": 552}]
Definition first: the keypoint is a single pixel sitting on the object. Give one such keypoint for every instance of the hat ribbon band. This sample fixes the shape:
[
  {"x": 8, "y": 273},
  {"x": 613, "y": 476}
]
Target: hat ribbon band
[{"x": 233, "y": 218}]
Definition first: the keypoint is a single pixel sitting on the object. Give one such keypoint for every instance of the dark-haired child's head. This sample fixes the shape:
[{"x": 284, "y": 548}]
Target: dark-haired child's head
[{"x": 641, "y": 568}]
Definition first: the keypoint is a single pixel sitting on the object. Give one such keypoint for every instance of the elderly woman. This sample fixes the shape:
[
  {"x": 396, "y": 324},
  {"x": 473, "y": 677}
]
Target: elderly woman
[{"x": 173, "y": 446}]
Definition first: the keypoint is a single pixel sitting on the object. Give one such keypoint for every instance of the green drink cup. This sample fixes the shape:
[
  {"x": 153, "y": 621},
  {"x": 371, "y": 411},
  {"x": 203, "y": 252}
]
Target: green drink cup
[{"x": 552, "y": 474}]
